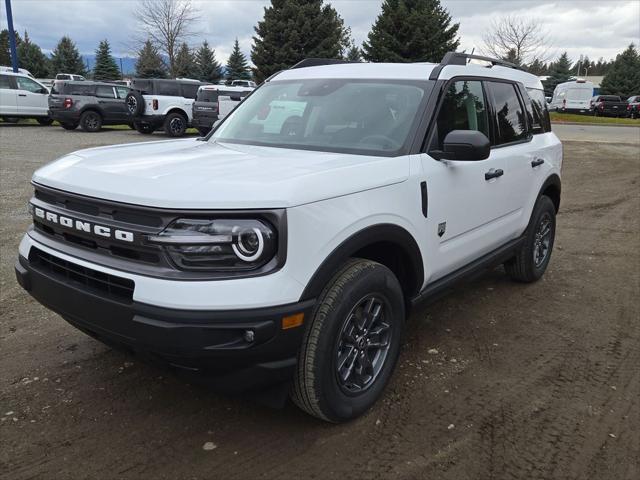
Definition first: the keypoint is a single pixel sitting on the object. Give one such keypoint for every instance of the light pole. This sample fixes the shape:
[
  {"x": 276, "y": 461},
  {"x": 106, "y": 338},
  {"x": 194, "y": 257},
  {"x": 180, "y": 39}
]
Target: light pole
[{"x": 12, "y": 37}]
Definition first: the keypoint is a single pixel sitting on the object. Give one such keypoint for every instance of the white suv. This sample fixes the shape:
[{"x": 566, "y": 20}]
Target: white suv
[
  {"x": 23, "y": 97},
  {"x": 287, "y": 248},
  {"x": 159, "y": 103}
]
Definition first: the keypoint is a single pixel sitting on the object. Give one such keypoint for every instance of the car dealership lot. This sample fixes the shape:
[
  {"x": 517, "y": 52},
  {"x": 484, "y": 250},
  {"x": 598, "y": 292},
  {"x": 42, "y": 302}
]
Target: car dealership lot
[{"x": 496, "y": 380}]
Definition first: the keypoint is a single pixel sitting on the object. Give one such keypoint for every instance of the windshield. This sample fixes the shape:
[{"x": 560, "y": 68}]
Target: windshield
[{"x": 372, "y": 117}]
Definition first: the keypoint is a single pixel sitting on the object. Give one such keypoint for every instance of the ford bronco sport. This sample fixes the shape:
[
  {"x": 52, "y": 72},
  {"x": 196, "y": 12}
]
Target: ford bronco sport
[{"x": 285, "y": 250}]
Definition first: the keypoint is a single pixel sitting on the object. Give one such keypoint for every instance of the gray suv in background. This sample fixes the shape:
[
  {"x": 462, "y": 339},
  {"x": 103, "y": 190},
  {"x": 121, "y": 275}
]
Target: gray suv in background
[{"x": 89, "y": 105}]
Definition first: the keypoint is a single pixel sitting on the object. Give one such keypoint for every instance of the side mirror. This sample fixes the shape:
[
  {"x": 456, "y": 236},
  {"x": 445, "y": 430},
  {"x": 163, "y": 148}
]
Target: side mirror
[
  {"x": 465, "y": 145},
  {"x": 44, "y": 91}
]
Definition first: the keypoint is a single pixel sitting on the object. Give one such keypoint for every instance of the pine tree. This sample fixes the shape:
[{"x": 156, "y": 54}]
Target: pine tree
[
  {"x": 537, "y": 67},
  {"x": 31, "y": 58},
  {"x": 237, "y": 65},
  {"x": 5, "y": 50},
  {"x": 293, "y": 30},
  {"x": 411, "y": 31},
  {"x": 208, "y": 68},
  {"x": 185, "y": 63},
  {"x": 106, "y": 67},
  {"x": 559, "y": 72},
  {"x": 150, "y": 63},
  {"x": 66, "y": 58},
  {"x": 354, "y": 54},
  {"x": 623, "y": 77}
]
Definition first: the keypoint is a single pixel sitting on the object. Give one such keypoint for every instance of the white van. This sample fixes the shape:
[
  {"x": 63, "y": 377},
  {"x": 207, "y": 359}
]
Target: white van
[{"x": 573, "y": 97}]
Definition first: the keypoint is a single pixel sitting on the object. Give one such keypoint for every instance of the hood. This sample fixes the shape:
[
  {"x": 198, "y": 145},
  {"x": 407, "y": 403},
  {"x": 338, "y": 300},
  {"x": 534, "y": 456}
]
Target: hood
[{"x": 208, "y": 175}]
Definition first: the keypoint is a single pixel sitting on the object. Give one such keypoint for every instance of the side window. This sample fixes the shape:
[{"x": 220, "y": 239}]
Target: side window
[
  {"x": 463, "y": 108},
  {"x": 189, "y": 90},
  {"x": 168, "y": 87},
  {"x": 539, "y": 115},
  {"x": 103, "y": 91},
  {"x": 28, "y": 85},
  {"x": 5, "y": 82},
  {"x": 511, "y": 121},
  {"x": 122, "y": 92}
]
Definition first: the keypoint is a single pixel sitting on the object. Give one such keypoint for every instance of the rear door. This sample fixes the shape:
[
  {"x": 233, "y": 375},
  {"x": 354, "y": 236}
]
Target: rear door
[
  {"x": 8, "y": 96},
  {"x": 32, "y": 97},
  {"x": 109, "y": 103},
  {"x": 120, "y": 107}
]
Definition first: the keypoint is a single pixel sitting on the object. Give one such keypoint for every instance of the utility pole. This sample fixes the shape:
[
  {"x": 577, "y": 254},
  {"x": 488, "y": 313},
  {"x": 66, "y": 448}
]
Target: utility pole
[
  {"x": 121, "y": 72},
  {"x": 12, "y": 37}
]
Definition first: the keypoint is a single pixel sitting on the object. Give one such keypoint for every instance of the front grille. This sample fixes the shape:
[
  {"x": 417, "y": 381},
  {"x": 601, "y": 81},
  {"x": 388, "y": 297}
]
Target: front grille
[{"x": 99, "y": 283}]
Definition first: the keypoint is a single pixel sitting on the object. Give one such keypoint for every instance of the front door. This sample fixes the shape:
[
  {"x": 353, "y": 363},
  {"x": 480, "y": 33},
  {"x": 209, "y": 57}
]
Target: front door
[
  {"x": 32, "y": 97},
  {"x": 470, "y": 213},
  {"x": 8, "y": 96}
]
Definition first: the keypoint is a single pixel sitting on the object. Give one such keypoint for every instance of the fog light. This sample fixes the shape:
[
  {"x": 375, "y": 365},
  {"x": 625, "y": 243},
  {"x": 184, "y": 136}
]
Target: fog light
[{"x": 249, "y": 336}]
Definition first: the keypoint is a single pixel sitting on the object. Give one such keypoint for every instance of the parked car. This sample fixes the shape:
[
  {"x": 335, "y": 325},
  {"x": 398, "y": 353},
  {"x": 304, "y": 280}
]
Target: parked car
[
  {"x": 70, "y": 76},
  {"x": 633, "y": 106},
  {"x": 155, "y": 103},
  {"x": 24, "y": 71},
  {"x": 608, "y": 106},
  {"x": 243, "y": 83},
  {"x": 213, "y": 103},
  {"x": 89, "y": 105},
  {"x": 23, "y": 97},
  {"x": 572, "y": 97},
  {"x": 285, "y": 252}
]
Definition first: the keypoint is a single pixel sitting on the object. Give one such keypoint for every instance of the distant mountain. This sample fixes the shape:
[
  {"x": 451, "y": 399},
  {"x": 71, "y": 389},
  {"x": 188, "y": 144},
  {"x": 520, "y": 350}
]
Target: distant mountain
[{"x": 128, "y": 63}]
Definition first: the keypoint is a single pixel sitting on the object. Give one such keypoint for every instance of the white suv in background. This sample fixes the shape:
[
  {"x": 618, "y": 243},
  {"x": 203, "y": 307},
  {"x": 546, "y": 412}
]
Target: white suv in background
[
  {"x": 283, "y": 252},
  {"x": 162, "y": 103},
  {"x": 23, "y": 97}
]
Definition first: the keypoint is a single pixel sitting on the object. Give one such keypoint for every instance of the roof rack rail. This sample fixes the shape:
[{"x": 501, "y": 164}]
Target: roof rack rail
[
  {"x": 316, "y": 62},
  {"x": 461, "y": 58}
]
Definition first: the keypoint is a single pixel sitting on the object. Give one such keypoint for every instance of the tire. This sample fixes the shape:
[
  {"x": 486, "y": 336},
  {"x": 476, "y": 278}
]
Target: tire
[
  {"x": 68, "y": 126},
  {"x": 45, "y": 121},
  {"x": 134, "y": 103},
  {"x": 143, "y": 128},
  {"x": 204, "y": 131},
  {"x": 532, "y": 259},
  {"x": 331, "y": 337},
  {"x": 175, "y": 124},
  {"x": 10, "y": 119},
  {"x": 91, "y": 121},
  {"x": 131, "y": 126}
]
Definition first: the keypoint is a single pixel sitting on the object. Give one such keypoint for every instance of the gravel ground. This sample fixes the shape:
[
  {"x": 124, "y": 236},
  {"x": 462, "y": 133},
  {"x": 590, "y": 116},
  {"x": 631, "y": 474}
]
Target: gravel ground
[{"x": 497, "y": 380}]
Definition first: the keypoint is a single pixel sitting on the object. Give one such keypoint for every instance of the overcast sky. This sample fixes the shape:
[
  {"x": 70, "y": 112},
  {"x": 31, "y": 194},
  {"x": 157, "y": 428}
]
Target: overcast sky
[{"x": 597, "y": 28}]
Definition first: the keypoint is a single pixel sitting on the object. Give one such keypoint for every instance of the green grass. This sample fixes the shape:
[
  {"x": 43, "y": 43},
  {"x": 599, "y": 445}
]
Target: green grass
[{"x": 573, "y": 118}]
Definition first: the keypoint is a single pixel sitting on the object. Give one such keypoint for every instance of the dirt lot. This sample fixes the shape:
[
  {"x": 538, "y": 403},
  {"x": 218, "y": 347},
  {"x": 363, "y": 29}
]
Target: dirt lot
[{"x": 530, "y": 381}]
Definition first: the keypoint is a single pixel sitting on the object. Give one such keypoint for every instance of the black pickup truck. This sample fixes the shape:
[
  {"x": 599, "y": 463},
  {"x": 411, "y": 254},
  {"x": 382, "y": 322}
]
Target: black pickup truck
[{"x": 608, "y": 106}]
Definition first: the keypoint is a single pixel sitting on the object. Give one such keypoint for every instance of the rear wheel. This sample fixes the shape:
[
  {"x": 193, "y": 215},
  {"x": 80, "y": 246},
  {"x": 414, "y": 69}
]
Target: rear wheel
[
  {"x": 351, "y": 343},
  {"x": 46, "y": 121},
  {"x": 91, "y": 121},
  {"x": 531, "y": 261},
  {"x": 175, "y": 125},
  {"x": 68, "y": 125},
  {"x": 10, "y": 119}
]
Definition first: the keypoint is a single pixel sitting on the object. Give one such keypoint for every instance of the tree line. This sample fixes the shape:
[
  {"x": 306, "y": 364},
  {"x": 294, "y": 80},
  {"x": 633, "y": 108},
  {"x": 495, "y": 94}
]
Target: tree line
[{"x": 291, "y": 30}]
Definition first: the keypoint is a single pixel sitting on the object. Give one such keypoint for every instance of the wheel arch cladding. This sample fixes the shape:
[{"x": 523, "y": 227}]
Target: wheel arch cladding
[
  {"x": 388, "y": 244},
  {"x": 92, "y": 108},
  {"x": 178, "y": 111},
  {"x": 552, "y": 188}
]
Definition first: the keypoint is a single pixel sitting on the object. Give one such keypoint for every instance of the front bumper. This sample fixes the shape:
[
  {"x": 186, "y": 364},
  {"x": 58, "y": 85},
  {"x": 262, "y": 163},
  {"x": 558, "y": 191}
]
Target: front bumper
[{"x": 216, "y": 343}]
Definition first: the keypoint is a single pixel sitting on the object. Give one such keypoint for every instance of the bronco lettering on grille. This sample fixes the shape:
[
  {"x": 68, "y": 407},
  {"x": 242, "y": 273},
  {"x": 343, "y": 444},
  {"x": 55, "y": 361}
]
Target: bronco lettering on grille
[{"x": 82, "y": 226}]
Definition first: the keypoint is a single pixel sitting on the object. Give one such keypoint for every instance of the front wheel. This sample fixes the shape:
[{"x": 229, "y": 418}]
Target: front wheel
[
  {"x": 351, "y": 343},
  {"x": 143, "y": 128},
  {"x": 532, "y": 259},
  {"x": 69, "y": 125},
  {"x": 91, "y": 121}
]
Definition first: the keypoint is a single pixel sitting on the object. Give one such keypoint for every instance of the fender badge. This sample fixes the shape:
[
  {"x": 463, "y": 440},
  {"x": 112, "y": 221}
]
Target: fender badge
[{"x": 442, "y": 227}]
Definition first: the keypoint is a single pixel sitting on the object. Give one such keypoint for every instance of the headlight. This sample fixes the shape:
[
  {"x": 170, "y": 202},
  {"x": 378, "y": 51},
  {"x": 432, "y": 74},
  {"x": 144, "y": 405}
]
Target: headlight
[{"x": 218, "y": 245}]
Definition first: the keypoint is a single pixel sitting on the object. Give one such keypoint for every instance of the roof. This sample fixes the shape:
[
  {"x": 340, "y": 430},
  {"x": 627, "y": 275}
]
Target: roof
[{"x": 407, "y": 71}]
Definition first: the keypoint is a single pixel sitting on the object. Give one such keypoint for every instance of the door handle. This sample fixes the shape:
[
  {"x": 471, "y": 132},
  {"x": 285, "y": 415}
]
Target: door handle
[
  {"x": 22, "y": 94},
  {"x": 537, "y": 162},
  {"x": 493, "y": 173}
]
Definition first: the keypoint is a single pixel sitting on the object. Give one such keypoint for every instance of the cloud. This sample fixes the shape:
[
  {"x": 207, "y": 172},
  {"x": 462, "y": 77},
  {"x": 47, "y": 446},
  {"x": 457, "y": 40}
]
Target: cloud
[{"x": 596, "y": 29}]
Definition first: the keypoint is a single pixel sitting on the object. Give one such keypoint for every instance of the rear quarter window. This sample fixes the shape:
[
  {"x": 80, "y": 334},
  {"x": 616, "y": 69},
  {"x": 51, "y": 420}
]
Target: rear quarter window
[
  {"x": 190, "y": 90},
  {"x": 70, "y": 89},
  {"x": 537, "y": 111},
  {"x": 168, "y": 87},
  {"x": 103, "y": 91}
]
